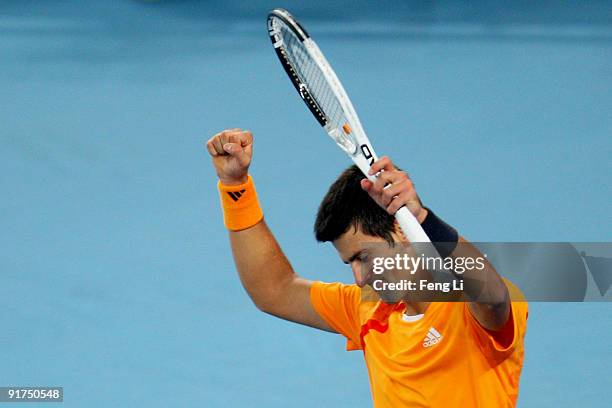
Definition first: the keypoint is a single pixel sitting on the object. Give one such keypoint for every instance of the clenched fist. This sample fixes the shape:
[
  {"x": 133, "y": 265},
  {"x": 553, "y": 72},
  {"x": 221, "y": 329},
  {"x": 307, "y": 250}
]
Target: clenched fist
[{"x": 231, "y": 152}]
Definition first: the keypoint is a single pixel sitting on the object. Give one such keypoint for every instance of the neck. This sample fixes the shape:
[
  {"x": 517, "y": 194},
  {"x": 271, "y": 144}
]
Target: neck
[{"x": 415, "y": 308}]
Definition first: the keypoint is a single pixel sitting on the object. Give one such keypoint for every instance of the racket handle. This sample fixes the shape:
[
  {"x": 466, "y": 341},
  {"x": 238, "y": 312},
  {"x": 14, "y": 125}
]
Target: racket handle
[
  {"x": 410, "y": 226},
  {"x": 415, "y": 234}
]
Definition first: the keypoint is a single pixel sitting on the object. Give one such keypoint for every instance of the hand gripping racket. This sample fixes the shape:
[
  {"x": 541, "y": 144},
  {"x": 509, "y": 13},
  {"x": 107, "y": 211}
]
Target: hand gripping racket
[{"x": 321, "y": 90}]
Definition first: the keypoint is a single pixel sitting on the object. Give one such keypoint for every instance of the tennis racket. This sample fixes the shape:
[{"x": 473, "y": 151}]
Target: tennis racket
[{"x": 321, "y": 90}]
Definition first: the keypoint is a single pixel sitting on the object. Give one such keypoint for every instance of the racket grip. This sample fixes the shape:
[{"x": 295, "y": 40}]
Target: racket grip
[{"x": 410, "y": 226}]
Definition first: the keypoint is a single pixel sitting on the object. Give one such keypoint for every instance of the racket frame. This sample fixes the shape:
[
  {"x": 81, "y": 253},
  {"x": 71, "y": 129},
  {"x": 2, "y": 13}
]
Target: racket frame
[{"x": 352, "y": 139}]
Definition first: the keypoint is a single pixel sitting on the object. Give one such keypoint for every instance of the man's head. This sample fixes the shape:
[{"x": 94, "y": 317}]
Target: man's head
[
  {"x": 347, "y": 205},
  {"x": 348, "y": 218}
]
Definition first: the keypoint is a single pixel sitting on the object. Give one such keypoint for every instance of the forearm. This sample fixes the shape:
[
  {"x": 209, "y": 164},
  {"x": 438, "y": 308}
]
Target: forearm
[
  {"x": 483, "y": 287},
  {"x": 263, "y": 268}
]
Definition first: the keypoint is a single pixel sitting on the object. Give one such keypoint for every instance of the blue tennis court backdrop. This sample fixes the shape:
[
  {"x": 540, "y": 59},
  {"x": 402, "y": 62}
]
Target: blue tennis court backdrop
[{"x": 116, "y": 279}]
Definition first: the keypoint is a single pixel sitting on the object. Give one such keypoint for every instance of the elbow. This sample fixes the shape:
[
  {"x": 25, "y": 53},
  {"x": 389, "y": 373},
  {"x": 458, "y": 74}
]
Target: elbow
[
  {"x": 263, "y": 306},
  {"x": 272, "y": 299},
  {"x": 267, "y": 302}
]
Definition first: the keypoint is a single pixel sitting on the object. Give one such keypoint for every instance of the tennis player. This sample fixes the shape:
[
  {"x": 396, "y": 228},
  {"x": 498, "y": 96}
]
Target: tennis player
[{"x": 418, "y": 354}]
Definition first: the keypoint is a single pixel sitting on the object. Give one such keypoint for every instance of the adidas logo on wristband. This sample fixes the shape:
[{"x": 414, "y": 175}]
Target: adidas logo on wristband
[
  {"x": 241, "y": 208},
  {"x": 235, "y": 195}
]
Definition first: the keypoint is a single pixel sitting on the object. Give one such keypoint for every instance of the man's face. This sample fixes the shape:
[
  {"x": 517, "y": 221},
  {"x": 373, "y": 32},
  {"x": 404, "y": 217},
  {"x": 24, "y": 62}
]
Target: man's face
[
  {"x": 359, "y": 251},
  {"x": 353, "y": 252}
]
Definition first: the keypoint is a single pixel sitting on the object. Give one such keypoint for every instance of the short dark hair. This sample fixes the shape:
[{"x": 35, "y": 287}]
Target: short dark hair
[{"x": 347, "y": 205}]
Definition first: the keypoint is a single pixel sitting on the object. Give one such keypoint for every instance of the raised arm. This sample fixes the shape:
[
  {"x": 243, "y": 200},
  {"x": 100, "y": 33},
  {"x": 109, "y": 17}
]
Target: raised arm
[
  {"x": 264, "y": 271},
  {"x": 490, "y": 303}
]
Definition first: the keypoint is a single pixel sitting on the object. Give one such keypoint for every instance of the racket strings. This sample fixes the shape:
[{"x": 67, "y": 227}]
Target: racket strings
[{"x": 310, "y": 75}]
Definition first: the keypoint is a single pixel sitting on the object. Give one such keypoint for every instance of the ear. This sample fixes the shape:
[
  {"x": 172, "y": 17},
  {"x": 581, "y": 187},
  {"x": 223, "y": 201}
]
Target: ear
[{"x": 398, "y": 234}]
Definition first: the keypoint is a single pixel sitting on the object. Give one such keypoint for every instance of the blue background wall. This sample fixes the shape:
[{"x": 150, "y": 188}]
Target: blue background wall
[{"x": 116, "y": 280}]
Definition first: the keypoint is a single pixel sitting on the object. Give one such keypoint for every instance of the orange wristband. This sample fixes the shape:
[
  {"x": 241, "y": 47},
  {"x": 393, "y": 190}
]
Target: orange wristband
[{"x": 240, "y": 205}]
